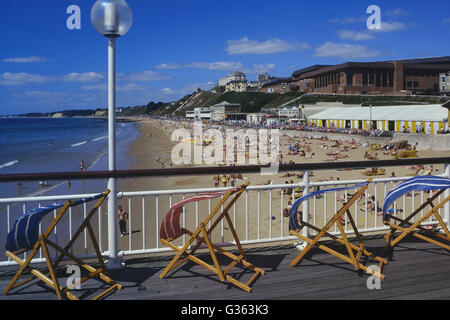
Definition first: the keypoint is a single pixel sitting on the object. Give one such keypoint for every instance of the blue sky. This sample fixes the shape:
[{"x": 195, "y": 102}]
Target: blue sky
[{"x": 174, "y": 47}]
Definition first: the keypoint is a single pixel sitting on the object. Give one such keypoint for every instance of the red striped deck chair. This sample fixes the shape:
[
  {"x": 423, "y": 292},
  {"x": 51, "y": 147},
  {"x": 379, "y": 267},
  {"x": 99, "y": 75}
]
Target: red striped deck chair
[
  {"x": 171, "y": 230},
  {"x": 24, "y": 236},
  {"x": 412, "y": 224},
  {"x": 355, "y": 253}
]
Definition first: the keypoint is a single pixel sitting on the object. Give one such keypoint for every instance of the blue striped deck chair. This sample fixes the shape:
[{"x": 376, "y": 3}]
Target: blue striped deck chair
[
  {"x": 171, "y": 230},
  {"x": 24, "y": 236},
  {"x": 297, "y": 223},
  {"x": 412, "y": 226}
]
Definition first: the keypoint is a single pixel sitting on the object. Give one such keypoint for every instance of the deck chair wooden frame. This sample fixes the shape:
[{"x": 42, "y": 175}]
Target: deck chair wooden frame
[
  {"x": 51, "y": 279},
  {"x": 408, "y": 226},
  {"x": 201, "y": 235},
  {"x": 354, "y": 252}
]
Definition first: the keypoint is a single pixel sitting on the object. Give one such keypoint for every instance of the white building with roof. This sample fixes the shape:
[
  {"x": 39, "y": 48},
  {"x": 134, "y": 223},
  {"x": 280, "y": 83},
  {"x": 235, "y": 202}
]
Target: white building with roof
[
  {"x": 289, "y": 111},
  {"x": 410, "y": 118},
  {"x": 234, "y": 76},
  {"x": 199, "y": 114}
]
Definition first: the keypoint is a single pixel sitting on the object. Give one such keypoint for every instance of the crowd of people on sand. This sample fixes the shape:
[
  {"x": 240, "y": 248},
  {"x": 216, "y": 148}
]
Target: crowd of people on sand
[{"x": 224, "y": 179}]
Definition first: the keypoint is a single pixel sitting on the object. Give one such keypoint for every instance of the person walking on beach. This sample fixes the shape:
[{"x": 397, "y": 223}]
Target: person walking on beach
[
  {"x": 82, "y": 166},
  {"x": 224, "y": 180},
  {"x": 216, "y": 181},
  {"x": 123, "y": 218}
]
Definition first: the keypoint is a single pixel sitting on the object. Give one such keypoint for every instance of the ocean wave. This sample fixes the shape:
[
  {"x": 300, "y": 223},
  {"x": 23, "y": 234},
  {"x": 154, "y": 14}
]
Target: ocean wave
[
  {"x": 8, "y": 164},
  {"x": 101, "y": 155},
  {"x": 96, "y": 139},
  {"x": 78, "y": 144}
]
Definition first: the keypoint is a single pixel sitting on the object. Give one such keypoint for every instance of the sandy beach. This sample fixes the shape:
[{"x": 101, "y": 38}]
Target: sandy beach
[{"x": 153, "y": 150}]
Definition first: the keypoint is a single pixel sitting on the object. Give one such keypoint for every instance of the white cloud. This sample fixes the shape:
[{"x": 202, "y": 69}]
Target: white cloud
[
  {"x": 45, "y": 94},
  {"x": 168, "y": 66},
  {"x": 130, "y": 87},
  {"x": 101, "y": 86},
  {"x": 22, "y": 78},
  {"x": 170, "y": 93},
  {"x": 397, "y": 12},
  {"x": 11, "y": 79},
  {"x": 348, "y": 20},
  {"x": 25, "y": 59},
  {"x": 446, "y": 21},
  {"x": 146, "y": 76},
  {"x": 223, "y": 66},
  {"x": 393, "y": 26},
  {"x": 260, "y": 68},
  {"x": 83, "y": 77},
  {"x": 247, "y": 46},
  {"x": 344, "y": 51},
  {"x": 354, "y": 35}
]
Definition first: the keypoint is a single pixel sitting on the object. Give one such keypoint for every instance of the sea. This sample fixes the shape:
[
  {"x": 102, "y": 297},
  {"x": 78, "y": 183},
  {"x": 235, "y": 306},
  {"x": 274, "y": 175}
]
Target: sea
[
  {"x": 36, "y": 145},
  {"x": 42, "y": 145}
]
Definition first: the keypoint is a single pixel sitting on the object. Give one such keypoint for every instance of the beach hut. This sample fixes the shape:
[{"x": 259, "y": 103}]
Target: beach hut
[{"x": 411, "y": 118}]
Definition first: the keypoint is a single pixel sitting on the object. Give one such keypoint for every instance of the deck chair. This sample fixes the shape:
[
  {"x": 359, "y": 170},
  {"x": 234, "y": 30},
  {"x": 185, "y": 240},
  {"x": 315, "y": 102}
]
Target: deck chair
[
  {"x": 24, "y": 236},
  {"x": 170, "y": 230},
  {"x": 410, "y": 225},
  {"x": 354, "y": 252}
]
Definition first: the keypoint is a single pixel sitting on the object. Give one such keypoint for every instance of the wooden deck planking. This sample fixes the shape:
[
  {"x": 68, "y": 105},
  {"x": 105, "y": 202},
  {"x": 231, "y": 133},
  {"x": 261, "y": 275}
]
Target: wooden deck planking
[{"x": 418, "y": 271}]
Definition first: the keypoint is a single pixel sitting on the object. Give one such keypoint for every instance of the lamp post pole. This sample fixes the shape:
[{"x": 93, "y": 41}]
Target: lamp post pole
[
  {"x": 112, "y": 183},
  {"x": 112, "y": 19}
]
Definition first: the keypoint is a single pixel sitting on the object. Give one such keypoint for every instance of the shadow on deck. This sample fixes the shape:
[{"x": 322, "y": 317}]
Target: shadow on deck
[{"x": 416, "y": 270}]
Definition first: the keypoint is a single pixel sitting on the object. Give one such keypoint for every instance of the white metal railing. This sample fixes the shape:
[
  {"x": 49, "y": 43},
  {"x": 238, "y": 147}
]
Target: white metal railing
[{"x": 257, "y": 215}]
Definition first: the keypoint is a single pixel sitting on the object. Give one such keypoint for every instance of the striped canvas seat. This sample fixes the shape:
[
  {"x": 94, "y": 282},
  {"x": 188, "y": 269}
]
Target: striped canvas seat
[
  {"x": 25, "y": 236},
  {"x": 412, "y": 224},
  {"x": 293, "y": 213},
  {"x": 24, "y": 232},
  {"x": 419, "y": 183},
  {"x": 355, "y": 253},
  {"x": 171, "y": 229}
]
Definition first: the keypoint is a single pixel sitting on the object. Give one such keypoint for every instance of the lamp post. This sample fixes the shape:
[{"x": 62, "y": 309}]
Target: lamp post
[{"x": 112, "y": 19}]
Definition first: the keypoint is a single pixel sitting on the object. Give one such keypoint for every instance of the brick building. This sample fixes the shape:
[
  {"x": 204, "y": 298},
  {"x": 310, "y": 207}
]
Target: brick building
[
  {"x": 398, "y": 76},
  {"x": 407, "y": 76}
]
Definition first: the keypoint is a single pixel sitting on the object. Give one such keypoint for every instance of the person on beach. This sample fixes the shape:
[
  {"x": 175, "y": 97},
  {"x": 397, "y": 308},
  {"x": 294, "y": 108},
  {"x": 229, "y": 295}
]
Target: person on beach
[
  {"x": 123, "y": 218},
  {"x": 216, "y": 181},
  {"x": 82, "y": 166},
  {"x": 224, "y": 179},
  {"x": 287, "y": 210},
  {"x": 232, "y": 180}
]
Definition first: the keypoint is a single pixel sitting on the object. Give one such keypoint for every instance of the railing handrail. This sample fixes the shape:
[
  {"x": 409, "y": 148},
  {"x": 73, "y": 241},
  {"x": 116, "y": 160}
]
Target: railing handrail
[
  {"x": 122, "y": 194},
  {"x": 218, "y": 170}
]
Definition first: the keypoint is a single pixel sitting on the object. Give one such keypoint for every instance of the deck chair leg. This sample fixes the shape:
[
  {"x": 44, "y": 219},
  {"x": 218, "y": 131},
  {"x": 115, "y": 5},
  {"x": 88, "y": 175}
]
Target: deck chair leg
[
  {"x": 212, "y": 253},
  {"x": 23, "y": 266},
  {"x": 415, "y": 225},
  {"x": 83, "y": 264},
  {"x": 50, "y": 267},
  {"x": 233, "y": 232},
  {"x": 311, "y": 243},
  {"x": 95, "y": 245},
  {"x": 443, "y": 225},
  {"x": 347, "y": 245},
  {"x": 315, "y": 240}
]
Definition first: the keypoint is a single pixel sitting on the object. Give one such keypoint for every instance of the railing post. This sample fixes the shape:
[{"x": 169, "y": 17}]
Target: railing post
[
  {"x": 305, "y": 215},
  {"x": 446, "y": 194}
]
